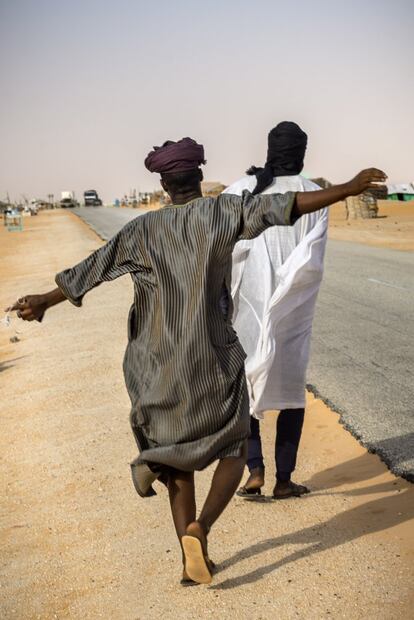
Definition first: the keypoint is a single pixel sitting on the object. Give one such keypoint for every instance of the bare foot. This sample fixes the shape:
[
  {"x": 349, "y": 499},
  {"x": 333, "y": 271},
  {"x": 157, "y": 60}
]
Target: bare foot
[
  {"x": 253, "y": 483},
  {"x": 196, "y": 529}
]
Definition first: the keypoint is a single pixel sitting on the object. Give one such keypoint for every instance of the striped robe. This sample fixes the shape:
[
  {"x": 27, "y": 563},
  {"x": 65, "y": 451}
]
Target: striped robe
[{"x": 184, "y": 365}]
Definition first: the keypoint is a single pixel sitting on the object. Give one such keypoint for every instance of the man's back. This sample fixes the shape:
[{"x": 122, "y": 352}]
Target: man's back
[
  {"x": 275, "y": 281},
  {"x": 283, "y": 240}
]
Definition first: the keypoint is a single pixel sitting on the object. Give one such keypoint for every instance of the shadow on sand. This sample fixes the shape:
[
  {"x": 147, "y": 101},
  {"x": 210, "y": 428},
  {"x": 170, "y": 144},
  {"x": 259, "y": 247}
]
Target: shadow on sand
[
  {"x": 398, "y": 449},
  {"x": 9, "y": 363},
  {"x": 372, "y": 516}
]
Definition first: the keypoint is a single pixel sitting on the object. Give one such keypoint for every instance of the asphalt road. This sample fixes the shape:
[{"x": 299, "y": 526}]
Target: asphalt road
[
  {"x": 362, "y": 358},
  {"x": 106, "y": 221},
  {"x": 362, "y": 361}
]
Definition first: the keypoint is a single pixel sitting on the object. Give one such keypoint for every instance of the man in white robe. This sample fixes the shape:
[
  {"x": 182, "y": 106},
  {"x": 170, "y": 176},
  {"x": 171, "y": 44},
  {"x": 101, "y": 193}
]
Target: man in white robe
[{"x": 275, "y": 282}]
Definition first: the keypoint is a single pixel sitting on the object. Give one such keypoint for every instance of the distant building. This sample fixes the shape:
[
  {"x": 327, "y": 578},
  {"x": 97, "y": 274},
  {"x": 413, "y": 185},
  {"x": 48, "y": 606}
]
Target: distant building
[
  {"x": 379, "y": 193},
  {"x": 4, "y": 206},
  {"x": 401, "y": 191},
  {"x": 212, "y": 188},
  {"x": 323, "y": 183}
]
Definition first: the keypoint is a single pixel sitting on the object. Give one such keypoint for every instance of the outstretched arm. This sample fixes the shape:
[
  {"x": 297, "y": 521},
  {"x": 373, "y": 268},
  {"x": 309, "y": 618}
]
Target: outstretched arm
[
  {"x": 121, "y": 255},
  {"x": 33, "y": 307},
  {"x": 259, "y": 212},
  {"x": 308, "y": 202}
]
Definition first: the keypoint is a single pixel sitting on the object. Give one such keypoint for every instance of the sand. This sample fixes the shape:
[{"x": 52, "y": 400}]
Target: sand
[
  {"x": 78, "y": 543},
  {"x": 393, "y": 228}
]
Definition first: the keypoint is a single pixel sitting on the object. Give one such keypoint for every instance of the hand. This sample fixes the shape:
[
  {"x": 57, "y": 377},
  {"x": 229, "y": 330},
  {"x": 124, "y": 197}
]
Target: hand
[
  {"x": 30, "y": 307},
  {"x": 371, "y": 178}
]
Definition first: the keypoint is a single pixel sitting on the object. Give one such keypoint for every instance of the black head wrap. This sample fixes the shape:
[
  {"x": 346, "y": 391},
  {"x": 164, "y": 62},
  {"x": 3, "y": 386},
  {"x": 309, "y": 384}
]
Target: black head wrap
[{"x": 286, "y": 146}]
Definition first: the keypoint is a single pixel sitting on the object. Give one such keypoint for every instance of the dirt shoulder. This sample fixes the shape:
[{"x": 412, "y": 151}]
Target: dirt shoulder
[
  {"x": 78, "y": 543},
  {"x": 393, "y": 228}
]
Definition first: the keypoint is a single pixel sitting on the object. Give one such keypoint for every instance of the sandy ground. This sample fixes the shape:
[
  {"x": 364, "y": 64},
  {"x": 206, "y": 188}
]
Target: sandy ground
[
  {"x": 393, "y": 228},
  {"x": 76, "y": 540}
]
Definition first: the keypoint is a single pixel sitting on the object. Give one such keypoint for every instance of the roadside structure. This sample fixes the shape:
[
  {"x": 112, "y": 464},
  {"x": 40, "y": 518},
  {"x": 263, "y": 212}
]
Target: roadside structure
[
  {"x": 364, "y": 205},
  {"x": 401, "y": 191},
  {"x": 212, "y": 188},
  {"x": 322, "y": 182}
]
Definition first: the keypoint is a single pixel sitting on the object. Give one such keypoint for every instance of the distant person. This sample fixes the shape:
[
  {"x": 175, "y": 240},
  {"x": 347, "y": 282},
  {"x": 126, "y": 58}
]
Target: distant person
[
  {"x": 184, "y": 365},
  {"x": 276, "y": 280}
]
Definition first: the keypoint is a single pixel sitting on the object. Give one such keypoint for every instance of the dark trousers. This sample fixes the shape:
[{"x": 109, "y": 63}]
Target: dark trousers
[{"x": 288, "y": 432}]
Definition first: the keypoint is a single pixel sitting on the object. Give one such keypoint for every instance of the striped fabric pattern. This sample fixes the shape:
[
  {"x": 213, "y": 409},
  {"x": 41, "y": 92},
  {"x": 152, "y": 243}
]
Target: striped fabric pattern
[{"x": 184, "y": 365}]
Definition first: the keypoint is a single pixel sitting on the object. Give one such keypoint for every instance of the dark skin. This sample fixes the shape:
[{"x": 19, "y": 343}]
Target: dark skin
[
  {"x": 182, "y": 196},
  {"x": 256, "y": 480},
  {"x": 229, "y": 470}
]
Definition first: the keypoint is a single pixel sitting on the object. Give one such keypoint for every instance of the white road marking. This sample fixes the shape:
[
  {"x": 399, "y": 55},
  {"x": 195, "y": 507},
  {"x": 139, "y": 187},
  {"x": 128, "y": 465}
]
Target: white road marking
[{"x": 401, "y": 288}]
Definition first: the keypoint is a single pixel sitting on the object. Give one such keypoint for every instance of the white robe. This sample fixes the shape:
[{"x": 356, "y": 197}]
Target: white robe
[{"x": 275, "y": 283}]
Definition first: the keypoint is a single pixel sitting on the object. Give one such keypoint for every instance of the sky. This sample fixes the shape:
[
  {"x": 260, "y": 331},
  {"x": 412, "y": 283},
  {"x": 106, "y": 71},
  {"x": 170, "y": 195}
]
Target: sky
[{"x": 88, "y": 87}]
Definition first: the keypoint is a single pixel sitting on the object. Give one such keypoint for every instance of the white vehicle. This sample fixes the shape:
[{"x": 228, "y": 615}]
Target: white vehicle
[
  {"x": 67, "y": 196},
  {"x": 67, "y": 199}
]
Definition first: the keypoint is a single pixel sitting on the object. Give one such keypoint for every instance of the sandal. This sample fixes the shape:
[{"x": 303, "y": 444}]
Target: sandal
[
  {"x": 187, "y": 582},
  {"x": 293, "y": 490},
  {"x": 245, "y": 492},
  {"x": 256, "y": 475},
  {"x": 198, "y": 566}
]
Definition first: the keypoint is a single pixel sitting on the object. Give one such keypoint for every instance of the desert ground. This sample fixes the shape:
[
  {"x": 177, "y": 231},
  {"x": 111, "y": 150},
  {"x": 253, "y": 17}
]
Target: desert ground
[
  {"x": 77, "y": 542},
  {"x": 393, "y": 228}
]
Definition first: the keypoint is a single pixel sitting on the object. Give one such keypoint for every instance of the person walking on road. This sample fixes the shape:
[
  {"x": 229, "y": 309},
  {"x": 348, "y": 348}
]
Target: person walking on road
[
  {"x": 276, "y": 279},
  {"x": 184, "y": 365}
]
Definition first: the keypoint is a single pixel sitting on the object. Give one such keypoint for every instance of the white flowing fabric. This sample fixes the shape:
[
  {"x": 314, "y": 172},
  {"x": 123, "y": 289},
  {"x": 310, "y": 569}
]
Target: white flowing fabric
[{"x": 275, "y": 283}]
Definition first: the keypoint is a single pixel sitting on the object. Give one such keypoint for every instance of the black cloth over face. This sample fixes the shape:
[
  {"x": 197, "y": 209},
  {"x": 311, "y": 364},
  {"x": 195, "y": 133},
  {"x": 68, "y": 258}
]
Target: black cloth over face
[{"x": 286, "y": 146}]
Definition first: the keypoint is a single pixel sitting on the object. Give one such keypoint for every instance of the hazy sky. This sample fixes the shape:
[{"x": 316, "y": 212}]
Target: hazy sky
[{"x": 89, "y": 86}]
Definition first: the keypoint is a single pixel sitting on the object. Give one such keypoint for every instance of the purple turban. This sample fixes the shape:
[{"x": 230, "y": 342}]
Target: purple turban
[{"x": 179, "y": 156}]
